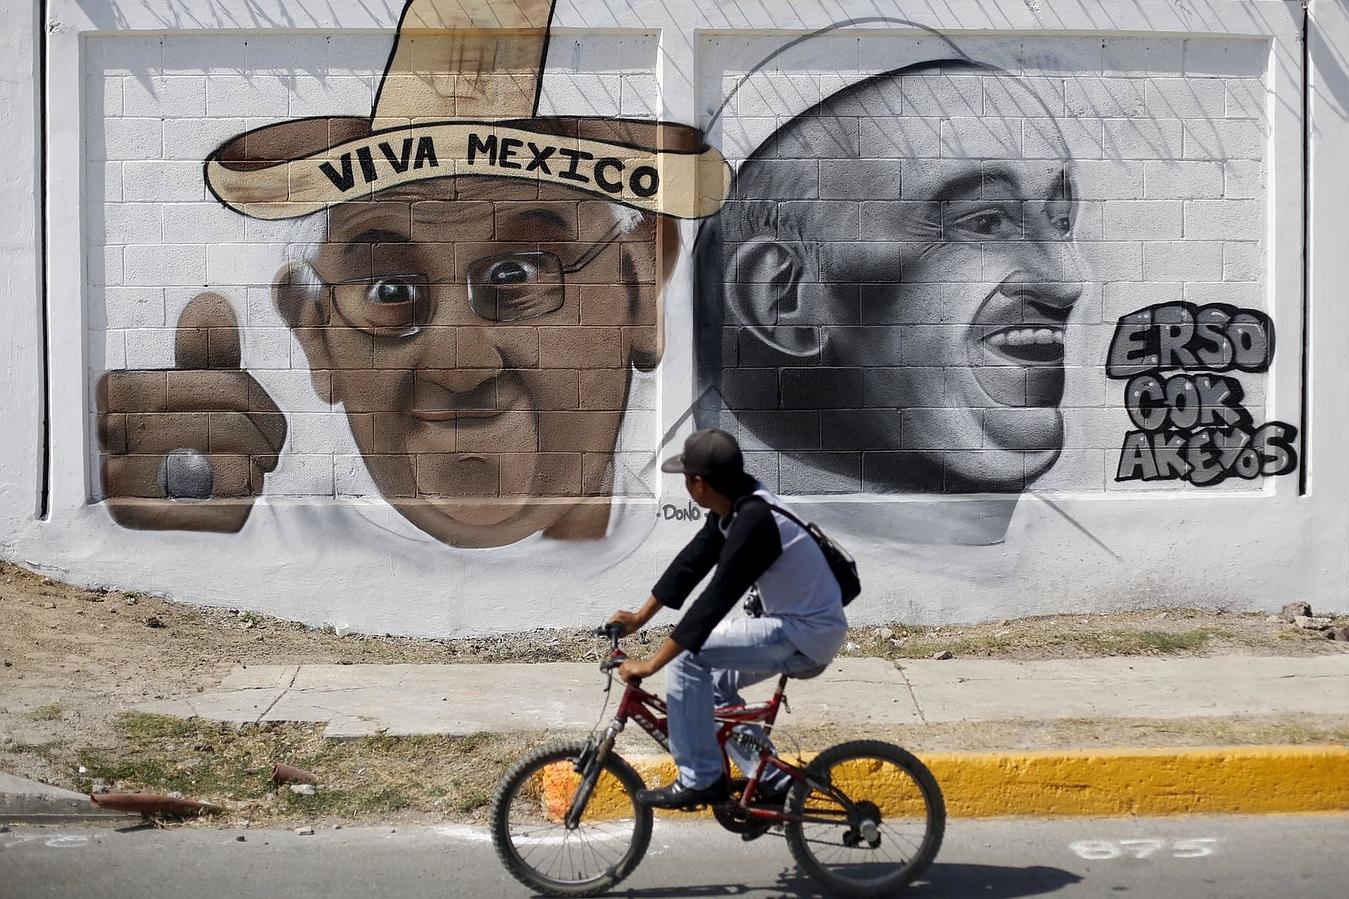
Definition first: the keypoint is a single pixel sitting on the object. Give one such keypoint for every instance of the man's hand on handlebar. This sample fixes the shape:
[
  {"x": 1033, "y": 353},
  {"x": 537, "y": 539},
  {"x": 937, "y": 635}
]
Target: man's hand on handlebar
[
  {"x": 629, "y": 670},
  {"x": 635, "y": 669},
  {"x": 631, "y": 622}
]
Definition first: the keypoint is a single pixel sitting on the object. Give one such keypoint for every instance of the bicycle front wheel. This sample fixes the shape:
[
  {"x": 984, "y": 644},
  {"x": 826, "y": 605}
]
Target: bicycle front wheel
[
  {"x": 869, "y": 821},
  {"x": 530, "y": 832}
]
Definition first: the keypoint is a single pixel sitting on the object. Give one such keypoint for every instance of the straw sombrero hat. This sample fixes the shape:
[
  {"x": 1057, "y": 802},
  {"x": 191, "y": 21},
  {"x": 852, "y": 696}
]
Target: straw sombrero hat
[{"x": 460, "y": 96}]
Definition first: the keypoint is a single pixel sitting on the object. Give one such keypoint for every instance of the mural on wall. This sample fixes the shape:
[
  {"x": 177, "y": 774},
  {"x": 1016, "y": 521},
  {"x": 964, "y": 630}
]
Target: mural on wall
[
  {"x": 891, "y": 299},
  {"x": 204, "y": 430},
  {"x": 1194, "y": 427},
  {"x": 487, "y": 285},
  {"x": 402, "y": 300},
  {"x": 894, "y": 332}
]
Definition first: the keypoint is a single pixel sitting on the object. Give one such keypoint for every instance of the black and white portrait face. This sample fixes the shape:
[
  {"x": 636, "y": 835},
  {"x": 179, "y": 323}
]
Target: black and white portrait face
[{"x": 892, "y": 323}]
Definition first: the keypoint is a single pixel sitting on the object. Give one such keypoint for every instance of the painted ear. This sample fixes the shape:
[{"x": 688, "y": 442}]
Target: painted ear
[
  {"x": 304, "y": 302},
  {"x": 764, "y": 295}
]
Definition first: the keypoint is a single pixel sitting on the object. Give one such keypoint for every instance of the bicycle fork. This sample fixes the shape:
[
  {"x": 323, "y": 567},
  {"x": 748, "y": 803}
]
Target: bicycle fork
[{"x": 589, "y": 766}]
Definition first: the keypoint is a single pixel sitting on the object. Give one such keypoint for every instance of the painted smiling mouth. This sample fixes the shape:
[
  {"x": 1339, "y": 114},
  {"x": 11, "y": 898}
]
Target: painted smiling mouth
[{"x": 1037, "y": 345}]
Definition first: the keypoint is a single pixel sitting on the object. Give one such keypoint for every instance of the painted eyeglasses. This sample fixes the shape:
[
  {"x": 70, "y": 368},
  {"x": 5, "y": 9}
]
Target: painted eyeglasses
[{"x": 506, "y": 287}]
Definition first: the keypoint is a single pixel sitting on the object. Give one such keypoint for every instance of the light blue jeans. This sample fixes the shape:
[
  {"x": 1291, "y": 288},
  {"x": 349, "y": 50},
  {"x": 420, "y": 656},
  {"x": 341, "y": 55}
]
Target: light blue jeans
[{"x": 736, "y": 654}]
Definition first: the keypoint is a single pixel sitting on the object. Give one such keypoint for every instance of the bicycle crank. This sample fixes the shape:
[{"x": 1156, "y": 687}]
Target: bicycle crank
[{"x": 731, "y": 816}]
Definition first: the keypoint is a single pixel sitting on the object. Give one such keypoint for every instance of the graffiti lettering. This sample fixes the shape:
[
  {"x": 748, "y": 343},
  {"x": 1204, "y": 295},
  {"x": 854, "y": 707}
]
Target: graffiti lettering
[
  {"x": 540, "y": 160},
  {"x": 398, "y": 163},
  {"x": 367, "y": 164},
  {"x": 1185, "y": 402},
  {"x": 606, "y": 172},
  {"x": 477, "y": 145},
  {"x": 670, "y": 512},
  {"x": 575, "y": 156},
  {"x": 1209, "y": 455},
  {"x": 645, "y": 181},
  {"x": 1216, "y": 337},
  {"x": 508, "y": 147},
  {"x": 346, "y": 179},
  {"x": 1194, "y": 427},
  {"x": 611, "y": 186}
]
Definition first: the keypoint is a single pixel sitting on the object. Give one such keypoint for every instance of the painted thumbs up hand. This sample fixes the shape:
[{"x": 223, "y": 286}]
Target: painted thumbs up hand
[{"x": 188, "y": 448}]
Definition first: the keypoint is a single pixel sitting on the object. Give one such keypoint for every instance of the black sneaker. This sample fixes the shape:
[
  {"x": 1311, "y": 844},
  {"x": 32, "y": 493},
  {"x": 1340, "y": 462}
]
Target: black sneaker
[{"x": 678, "y": 796}]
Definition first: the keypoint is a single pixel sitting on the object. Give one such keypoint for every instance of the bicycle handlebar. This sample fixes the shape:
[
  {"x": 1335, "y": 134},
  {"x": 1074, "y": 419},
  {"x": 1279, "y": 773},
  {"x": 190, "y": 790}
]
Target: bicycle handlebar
[{"x": 613, "y": 630}]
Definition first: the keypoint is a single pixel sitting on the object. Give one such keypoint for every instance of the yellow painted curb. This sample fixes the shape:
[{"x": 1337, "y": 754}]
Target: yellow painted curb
[{"x": 1230, "y": 779}]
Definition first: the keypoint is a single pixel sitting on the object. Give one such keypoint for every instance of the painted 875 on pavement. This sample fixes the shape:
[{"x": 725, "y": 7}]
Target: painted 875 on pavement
[{"x": 1097, "y": 850}]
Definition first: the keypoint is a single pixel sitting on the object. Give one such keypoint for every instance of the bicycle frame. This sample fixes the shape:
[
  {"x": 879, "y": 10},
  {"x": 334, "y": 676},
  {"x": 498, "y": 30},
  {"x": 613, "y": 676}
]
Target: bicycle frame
[{"x": 650, "y": 713}]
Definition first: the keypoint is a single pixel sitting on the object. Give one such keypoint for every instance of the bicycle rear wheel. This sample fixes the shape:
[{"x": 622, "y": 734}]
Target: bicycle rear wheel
[
  {"x": 887, "y": 832},
  {"x": 530, "y": 832}
]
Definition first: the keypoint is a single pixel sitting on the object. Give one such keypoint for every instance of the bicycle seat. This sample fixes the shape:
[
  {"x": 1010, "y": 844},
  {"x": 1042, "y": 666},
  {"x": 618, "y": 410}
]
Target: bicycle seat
[{"x": 807, "y": 673}]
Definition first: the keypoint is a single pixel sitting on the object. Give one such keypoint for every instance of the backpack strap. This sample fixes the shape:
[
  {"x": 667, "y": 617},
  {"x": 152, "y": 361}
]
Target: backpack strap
[
  {"x": 735, "y": 509},
  {"x": 841, "y": 565},
  {"x": 788, "y": 515},
  {"x": 773, "y": 506}
]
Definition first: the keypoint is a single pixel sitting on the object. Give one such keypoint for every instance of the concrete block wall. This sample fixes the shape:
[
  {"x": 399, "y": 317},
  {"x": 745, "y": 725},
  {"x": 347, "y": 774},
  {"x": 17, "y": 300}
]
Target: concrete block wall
[
  {"x": 1159, "y": 163},
  {"x": 155, "y": 108},
  {"x": 948, "y": 242}
]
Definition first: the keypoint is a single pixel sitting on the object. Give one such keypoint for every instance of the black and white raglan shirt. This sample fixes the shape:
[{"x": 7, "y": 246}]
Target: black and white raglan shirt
[{"x": 757, "y": 546}]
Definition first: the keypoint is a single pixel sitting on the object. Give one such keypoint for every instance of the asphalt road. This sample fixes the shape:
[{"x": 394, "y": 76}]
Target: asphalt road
[{"x": 1158, "y": 858}]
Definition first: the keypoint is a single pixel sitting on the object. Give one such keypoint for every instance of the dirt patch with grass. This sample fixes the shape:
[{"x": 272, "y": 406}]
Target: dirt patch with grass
[
  {"x": 75, "y": 659},
  {"x": 380, "y": 778}
]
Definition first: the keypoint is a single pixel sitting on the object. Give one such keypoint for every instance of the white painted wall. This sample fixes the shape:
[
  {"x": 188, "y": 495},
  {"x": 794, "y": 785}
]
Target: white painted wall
[
  {"x": 20, "y": 245},
  {"x": 1185, "y": 122}
]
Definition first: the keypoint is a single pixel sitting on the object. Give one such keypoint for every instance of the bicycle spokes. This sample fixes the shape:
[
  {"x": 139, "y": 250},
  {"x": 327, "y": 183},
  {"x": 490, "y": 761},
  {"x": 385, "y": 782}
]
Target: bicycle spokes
[
  {"x": 866, "y": 817},
  {"x": 555, "y": 838},
  {"x": 891, "y": 822}
]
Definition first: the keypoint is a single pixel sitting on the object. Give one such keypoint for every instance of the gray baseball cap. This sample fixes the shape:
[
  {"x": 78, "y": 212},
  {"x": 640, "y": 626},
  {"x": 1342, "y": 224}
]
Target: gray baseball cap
[{"x": 709, "y": 451}]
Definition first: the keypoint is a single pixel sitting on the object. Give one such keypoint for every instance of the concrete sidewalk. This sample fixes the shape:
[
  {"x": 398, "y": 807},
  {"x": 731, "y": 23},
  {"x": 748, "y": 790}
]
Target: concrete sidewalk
[{"x": 364, "y": 700}]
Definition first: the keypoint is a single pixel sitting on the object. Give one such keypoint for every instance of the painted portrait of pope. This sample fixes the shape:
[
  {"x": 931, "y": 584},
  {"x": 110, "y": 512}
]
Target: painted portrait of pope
[{"x": 485, "y": 285}]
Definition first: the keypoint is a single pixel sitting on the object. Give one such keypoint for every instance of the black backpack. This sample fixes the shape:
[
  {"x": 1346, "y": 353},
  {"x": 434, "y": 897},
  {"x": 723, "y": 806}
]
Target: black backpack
[{"x": 840, "y": 562}]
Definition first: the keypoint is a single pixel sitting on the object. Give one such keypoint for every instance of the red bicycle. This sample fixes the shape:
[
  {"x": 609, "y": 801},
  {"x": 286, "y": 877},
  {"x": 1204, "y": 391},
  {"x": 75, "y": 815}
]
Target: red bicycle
[{"x": 864, "y": 818}]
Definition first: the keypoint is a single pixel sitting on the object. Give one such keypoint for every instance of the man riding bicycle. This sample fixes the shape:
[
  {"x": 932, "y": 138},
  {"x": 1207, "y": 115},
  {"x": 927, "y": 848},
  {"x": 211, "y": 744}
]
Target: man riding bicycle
[{"x": 798, "y": 631}]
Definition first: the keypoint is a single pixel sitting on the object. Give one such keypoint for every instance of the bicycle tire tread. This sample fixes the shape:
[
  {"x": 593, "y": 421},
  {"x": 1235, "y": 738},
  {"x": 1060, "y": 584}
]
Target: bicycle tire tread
[{"x": 501, "y": 800}]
